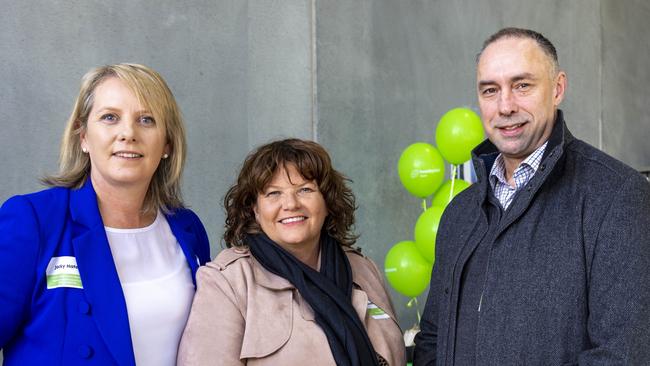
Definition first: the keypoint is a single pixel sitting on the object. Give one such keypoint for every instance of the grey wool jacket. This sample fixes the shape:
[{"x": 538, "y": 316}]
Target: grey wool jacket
[{"x": 568, "y": 275}]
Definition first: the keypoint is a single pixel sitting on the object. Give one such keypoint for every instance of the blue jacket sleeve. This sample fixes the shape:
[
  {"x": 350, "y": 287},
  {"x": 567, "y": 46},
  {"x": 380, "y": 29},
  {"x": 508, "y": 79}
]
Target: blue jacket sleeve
[
  {"x": 619, "y": 281},
  {"x": 19, "y": 246}
]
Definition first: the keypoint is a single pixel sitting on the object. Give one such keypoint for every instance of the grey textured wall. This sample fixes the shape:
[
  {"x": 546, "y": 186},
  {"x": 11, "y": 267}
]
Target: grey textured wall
[
  {"x": 626, "y": 73},
  {"x": 240, "y": 71},
  {"x": 244, "y": 72}
]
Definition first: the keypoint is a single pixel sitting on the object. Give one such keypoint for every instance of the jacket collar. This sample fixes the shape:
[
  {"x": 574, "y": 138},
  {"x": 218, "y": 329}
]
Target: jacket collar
[
  {"x": 485, "y": 154},
  {"x": 266, "y": 278},
  {"x": 186, "y": 237},
  {"x": 274, "y": 282},
  {"x": 98, "y": 274},
  {"x": 360, "y": 281}
]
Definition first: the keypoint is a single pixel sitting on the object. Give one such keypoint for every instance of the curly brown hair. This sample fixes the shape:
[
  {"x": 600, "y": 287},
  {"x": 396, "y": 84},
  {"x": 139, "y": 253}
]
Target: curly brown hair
[{"x": 313, "y": 163}]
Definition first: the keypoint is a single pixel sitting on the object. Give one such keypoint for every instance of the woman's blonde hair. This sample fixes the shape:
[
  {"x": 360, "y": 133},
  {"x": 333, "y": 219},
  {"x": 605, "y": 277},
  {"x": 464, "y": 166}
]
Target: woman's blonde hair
[{"x": 153, "y": 93}]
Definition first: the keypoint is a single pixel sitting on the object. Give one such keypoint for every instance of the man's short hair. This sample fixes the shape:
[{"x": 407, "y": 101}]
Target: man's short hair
[{"x": 512, "y": 32}]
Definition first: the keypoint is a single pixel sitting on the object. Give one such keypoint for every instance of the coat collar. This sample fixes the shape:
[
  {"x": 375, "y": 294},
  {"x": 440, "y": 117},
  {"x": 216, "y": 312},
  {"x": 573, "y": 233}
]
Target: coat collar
[
  {"x": 262, "y": 277},
  {"x": 98, "y": 274},
  {"x": 186, "y": 237},
  {"x": 362, "y": 278},
  {"x": 275, "y": 282},
  {"x": 267, "y": 279},
  {"x": 485, "y": 154}
]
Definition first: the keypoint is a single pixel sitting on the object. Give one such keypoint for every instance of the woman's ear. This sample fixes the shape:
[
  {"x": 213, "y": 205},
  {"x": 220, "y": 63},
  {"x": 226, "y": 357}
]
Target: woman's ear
[
  {"x": 82, "y": 135},
  {"x": 82, "y": 141},
  {"x": 256, "y": 213},
  {"x": 168, "y": 149}
]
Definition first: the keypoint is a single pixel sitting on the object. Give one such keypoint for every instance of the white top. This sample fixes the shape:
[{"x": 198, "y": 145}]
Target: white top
[{"x": 157, "y": 284}]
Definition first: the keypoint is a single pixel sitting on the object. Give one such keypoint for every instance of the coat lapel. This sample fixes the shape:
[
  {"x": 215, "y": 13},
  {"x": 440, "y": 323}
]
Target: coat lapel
[
  {"x": 187, "y": 240},
  {"x": 99, "y": 277}
]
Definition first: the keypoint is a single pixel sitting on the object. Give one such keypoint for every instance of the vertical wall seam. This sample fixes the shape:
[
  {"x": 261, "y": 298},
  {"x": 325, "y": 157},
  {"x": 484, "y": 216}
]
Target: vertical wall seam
[
  {"x": 600, "y": 76},
  {"x": 314, "y": 74}
]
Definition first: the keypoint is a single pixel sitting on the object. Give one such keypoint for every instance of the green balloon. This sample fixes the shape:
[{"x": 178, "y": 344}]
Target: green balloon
[
  {"x": 442, "y": 196},
  {"x": 426, "y": 229},
  {"x": 457, "y": 133},
  {"x": 421, "y": 169},
  {"x": 406, "y": 270}
]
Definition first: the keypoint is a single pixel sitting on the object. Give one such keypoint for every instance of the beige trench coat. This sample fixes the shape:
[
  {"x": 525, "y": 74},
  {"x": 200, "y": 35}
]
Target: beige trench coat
[{"x": 244, "y": 315}]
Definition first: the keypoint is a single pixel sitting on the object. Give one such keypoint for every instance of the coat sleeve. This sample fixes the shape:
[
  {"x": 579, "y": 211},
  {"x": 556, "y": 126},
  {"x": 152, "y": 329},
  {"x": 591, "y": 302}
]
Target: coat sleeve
[
  {"x": 619, "y": 281},
  {"x": 19, "y": 245},
  {"x": 397, "y": 352},
  {"x": 426, "y": 341},
  {"x": 382, "y": 285},
  {"x": 215, "y": 328}
]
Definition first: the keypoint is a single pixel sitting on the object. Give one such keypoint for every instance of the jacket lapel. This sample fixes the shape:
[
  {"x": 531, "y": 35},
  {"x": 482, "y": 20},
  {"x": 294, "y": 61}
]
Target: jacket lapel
[
  {"x": 99, "y": 277},
  {"x": 187, "y": 240},
  {"x": 267, "y": 279}
]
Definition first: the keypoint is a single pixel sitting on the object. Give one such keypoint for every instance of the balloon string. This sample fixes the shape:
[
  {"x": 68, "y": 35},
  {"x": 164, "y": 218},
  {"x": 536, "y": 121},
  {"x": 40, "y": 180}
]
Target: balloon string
[
  {"x": 424, "y": 204},
  {"x": 417, "y": 307},
  {"x": 453, "y": 180}
]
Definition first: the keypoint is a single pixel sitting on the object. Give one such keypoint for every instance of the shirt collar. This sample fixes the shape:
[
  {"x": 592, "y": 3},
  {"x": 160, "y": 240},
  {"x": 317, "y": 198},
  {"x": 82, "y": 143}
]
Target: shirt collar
[{"x": 531, "y": 164}]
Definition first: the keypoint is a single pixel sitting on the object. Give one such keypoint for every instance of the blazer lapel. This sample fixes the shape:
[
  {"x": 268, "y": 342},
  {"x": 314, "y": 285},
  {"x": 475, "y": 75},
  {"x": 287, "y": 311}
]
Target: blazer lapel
[
  {"x": 99, "y": 277},
  {"x": 187, "y": 240}
]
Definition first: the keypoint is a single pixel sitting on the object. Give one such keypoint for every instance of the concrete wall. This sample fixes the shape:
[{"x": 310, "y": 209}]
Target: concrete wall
[
  {"x": 368, "y": 78},
  {"x": 240, "y": 71},
  {"x": 626, "y": 73}
]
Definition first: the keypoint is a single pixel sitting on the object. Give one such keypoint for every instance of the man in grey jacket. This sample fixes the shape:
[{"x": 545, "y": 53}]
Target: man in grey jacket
[{"x": 546, "y": 259}]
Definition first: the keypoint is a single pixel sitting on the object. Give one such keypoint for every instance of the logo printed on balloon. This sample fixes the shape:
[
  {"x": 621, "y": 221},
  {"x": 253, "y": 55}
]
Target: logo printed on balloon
[{"x": 423, "y": 173}]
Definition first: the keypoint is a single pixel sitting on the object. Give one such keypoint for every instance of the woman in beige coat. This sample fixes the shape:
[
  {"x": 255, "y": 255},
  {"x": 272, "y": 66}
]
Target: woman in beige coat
[{"x": 290, "y": 289}]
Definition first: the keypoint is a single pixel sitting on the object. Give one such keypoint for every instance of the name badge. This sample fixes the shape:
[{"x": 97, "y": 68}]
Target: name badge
[
  {"x": 376, "y": 312},
  {"x": 63, "y": 272}
]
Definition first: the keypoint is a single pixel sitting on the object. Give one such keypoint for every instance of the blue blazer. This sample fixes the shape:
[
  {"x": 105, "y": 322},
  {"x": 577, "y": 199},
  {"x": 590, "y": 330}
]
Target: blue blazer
[{"x": 68, "y": 325}]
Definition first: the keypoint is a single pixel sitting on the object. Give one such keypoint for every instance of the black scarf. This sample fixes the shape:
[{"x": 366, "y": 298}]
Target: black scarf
[{"x": 328, "y": 292}]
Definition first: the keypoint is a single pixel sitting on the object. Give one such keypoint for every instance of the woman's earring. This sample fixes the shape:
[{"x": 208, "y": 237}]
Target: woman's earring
[
  {"x": 165, "y": 156},
  {"x": 84, "y": 150}
]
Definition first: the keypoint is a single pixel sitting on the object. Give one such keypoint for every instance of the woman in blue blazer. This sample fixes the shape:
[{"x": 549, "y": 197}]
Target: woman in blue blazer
[{"x": 99, "y": 269}]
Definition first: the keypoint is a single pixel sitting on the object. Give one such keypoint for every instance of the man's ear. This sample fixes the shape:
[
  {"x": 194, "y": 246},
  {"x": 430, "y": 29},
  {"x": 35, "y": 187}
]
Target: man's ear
[{"x": 560, "y": 88}]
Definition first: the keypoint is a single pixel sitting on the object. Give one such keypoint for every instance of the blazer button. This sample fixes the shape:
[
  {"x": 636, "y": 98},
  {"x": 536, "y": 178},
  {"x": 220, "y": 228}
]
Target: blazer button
[
  {"x": 83, "y": 307},
  {"x": 447, "y": 291},
  {"x": 85, "y": 351}
]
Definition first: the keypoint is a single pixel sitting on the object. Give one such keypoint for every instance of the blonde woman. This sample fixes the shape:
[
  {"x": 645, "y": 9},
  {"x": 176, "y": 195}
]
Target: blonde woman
[{"x": 101, "y": 266}]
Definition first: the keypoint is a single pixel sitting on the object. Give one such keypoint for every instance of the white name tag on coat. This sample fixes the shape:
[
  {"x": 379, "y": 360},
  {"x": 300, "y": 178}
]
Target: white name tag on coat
[
  {"x": 376, "y": 312},
  {"x": 63, "y": 272}
]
